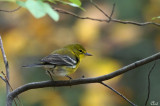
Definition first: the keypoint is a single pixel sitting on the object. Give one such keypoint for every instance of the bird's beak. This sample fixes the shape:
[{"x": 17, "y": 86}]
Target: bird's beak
[{"x": 87, "y": 54}]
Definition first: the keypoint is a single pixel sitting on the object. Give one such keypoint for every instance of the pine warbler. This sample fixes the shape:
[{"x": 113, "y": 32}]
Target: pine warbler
[{"x": 64, "y": 61}]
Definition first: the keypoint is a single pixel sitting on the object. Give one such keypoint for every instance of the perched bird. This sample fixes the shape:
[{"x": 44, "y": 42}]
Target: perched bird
[{"x": 64, "y": 61}]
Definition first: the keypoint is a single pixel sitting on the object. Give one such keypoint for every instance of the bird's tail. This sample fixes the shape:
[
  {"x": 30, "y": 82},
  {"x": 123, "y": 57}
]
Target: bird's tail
[{"x": 33, "y": 65}]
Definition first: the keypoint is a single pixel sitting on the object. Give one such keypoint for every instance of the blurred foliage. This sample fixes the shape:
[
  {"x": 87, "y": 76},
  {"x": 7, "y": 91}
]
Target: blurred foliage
[
  {"x": 39, "y": 9},
  {"x": 26, "y": 40}
]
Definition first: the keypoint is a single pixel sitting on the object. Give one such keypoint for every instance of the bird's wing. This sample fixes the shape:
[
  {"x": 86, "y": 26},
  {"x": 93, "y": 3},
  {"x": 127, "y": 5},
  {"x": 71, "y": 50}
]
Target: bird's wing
[{"x": 58, "y": 59}]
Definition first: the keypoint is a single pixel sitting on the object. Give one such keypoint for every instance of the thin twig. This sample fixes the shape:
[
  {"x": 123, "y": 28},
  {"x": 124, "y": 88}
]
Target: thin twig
[
  {"x": 95, "y": 5},
  {"x": 149, "y": 74},
  {"x": 11, "y": 10},
  {"x": 113, "y": 10},
  {"x": 43, "y": 84},
  {"x": 135, "y": 23},
  {"x": 3, "y": 78},
  {"x": 105, "y": 20},
  {"x": 118, "y": 93},
  {"x": 10, "y": 88},
  {"x": 6, "y": 65},
  {"x": 77, "y": 16},
  {"x": 6, "y": 79}
]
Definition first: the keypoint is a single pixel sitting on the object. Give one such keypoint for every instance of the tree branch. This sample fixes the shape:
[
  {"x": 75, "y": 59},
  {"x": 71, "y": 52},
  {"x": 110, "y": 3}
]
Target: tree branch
[
  {"x": 110, "y": 19},
  {"x": 6, "y": 66},
  {"x": 43, "y": 84}
]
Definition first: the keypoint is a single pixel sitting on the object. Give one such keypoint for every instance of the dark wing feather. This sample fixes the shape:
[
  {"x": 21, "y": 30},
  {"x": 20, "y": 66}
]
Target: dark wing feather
[{"x": 57, "y": 59}]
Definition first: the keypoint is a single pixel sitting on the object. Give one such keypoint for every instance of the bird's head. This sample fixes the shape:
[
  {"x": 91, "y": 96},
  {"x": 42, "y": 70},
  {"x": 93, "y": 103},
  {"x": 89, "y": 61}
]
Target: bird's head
[{"x": 78, "y": 50}]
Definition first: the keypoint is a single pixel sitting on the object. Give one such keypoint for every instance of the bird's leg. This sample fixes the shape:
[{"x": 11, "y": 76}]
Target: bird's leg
[
  {"x": 70, "y": 78},
  {"x": 49, "y": 73}
]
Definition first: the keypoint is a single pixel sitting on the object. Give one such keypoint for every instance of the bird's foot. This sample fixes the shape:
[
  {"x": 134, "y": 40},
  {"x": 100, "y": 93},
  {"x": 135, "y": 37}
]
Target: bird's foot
[{"x": 70, "y": 79}]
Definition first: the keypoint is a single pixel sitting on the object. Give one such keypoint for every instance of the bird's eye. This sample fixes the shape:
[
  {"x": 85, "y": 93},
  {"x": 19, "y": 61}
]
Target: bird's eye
[{"x": 80, "y": 51}]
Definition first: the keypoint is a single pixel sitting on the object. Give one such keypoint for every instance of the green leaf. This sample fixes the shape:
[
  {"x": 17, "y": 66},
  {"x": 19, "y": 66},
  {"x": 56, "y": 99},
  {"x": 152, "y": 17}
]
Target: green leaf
[
  {"x": 71, "y": 4},
  {"x": 74, "y": 5},
  {"x": 52, "y": 13},
  {"x": 155, "y": 17},
  {"x": 36, "y": 8},
  {"x": 52, "y": 1},
  {"x": 21, "y": 3},
  {"x": 76, "y": 2},
  {"x": 39, "y": 9}
]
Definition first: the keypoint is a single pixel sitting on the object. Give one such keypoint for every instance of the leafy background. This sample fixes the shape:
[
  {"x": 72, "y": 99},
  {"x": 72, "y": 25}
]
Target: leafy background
[{"x": 27, "y": 39}]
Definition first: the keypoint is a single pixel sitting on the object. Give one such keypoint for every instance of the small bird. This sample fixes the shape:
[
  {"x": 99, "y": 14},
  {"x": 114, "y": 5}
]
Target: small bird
[{"x": 62, "y": 62}]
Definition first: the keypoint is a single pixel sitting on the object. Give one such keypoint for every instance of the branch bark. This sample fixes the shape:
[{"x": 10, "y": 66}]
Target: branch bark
[{"x": 43, "y": 84}]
